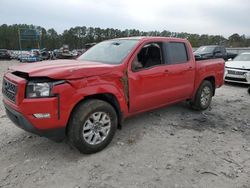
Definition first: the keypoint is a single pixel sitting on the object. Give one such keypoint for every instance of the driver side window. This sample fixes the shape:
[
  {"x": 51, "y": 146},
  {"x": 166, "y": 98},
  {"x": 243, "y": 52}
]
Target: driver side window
[{"x": 149, "y": 56}]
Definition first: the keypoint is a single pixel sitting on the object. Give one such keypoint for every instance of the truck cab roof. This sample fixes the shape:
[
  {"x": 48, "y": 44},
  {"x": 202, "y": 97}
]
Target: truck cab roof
[{"x": 149, "y": 38}]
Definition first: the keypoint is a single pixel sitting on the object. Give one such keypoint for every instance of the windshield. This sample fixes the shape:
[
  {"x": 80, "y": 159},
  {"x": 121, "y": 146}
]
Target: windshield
[
  {"x": 111, "y": 52},
  {"x": 205, "y": 49},
  {"x": 242, "y": 57}
]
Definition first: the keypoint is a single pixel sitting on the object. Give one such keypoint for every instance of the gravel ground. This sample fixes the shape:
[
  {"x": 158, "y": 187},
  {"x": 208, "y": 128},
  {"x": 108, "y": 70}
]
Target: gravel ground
[{"x": 170, "y": 147}]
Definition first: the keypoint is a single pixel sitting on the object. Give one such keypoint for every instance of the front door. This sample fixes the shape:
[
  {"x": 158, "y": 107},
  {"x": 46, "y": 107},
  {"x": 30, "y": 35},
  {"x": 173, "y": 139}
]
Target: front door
[{"x": 147, "y": 79}]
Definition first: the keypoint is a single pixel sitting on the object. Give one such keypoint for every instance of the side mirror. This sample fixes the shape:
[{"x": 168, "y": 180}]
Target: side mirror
[{"x": 136, "y": 65}]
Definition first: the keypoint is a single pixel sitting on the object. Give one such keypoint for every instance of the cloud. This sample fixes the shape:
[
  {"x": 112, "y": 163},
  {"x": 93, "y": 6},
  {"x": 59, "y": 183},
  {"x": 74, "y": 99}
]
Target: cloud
[{"x": 204, "y": 17}]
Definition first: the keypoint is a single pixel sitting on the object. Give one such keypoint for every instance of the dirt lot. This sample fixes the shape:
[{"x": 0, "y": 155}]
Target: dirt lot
[{"x": 170, "y": 147}]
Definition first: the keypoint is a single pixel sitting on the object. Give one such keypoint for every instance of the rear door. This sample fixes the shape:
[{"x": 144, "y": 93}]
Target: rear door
[
  {"x": 180, "y": 71},
  {"x": 218, "y": 52}
]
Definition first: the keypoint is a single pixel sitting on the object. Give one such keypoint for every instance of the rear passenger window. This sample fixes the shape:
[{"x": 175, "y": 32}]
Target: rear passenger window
[{"x": 176, "y": 52}]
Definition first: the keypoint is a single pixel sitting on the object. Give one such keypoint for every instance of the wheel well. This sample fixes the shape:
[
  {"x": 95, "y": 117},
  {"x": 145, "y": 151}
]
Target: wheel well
[
  {"x": 212, "y": 80},
  {"x": 109, "y": 98}
]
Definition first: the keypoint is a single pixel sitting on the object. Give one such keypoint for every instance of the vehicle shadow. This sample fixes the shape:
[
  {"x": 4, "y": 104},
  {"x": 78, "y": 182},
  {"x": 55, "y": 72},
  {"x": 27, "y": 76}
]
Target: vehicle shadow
[
  {"x": 236, "y": 84},
  {"x": 167, "y": 119},
  {"x": 177, "y": 116}
]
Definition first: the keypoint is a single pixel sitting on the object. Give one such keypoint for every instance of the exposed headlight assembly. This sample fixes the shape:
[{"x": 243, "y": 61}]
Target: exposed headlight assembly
[{"x": 38, "y": 89}]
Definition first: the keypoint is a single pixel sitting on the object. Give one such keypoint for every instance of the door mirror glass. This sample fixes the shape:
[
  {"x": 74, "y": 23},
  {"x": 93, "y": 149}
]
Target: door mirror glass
[{"x": 136, "y": 65}]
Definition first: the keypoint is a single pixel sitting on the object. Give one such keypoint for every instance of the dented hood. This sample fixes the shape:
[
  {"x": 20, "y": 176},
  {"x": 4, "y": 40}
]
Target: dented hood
[{"x": 64, "y": 69}]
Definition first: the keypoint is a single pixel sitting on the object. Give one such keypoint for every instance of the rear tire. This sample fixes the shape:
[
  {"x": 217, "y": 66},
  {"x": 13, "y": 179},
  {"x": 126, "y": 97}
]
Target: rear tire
[
  {"x": 203, "y": 96},
  {"x": 249, "y": 90},
  {"x": 92, "y": 126}
]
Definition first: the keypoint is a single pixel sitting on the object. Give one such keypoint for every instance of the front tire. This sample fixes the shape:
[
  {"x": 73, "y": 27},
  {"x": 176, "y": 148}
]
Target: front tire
[
  {"x": 203, "y": 96},
  {"x": 92, "y": 126}
]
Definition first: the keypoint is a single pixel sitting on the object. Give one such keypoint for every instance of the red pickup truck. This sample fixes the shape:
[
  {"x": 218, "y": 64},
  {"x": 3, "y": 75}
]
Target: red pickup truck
[{"x": 87, "y": 99}]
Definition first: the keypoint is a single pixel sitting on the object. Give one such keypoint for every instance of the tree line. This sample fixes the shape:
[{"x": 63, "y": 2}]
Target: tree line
[{"x": 77, "y": 37}]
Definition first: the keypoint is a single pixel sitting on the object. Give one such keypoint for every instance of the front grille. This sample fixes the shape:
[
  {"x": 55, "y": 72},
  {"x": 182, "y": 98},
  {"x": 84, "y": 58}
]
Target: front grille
[
  {"x": 9, "y": 90},
  {"x": 236, "y": 79},
  {"x": 235, "y": 72}
]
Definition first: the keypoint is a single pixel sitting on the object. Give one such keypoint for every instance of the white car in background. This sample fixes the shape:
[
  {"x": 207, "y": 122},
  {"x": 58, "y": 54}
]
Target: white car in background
[{"x": 238, "y": 69}]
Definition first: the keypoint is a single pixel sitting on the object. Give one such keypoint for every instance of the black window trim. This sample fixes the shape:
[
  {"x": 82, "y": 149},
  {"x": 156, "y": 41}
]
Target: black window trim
[{"x": 162, "y": 57}]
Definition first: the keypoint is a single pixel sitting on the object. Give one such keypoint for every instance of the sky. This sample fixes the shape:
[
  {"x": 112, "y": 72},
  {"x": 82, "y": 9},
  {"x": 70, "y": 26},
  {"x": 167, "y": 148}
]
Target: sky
[{"x": 218, "y": 17}]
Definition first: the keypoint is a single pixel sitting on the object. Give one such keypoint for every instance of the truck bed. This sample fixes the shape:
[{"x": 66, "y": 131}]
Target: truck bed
[{"x": 213, "y": 67}]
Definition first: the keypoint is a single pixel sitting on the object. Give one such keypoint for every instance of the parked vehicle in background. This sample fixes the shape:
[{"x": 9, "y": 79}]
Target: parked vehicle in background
[
  {"x": 22, "y": 55},
  {"x": 88, "y": 98},
  {"x": 65, "y": 53},
  {"x": 78, "y": 52},
  {"x": 213, "y": 51},
  {"x": 238, "y": 69},
  {"x": 54, "y": 53},
  {"x": 14, "y": 54},
  {"x": 33, "y": 56},
  {"x": 89, "y": 45},
  {"x": 4, "y": 54},
  {"x": 45, "y": 54}
]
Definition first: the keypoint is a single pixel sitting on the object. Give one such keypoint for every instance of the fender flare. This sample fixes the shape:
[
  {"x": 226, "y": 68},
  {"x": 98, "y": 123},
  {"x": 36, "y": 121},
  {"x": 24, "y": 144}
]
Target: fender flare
[{"x": 102, "y": 89}]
